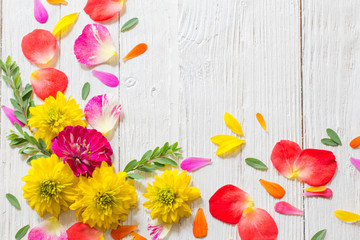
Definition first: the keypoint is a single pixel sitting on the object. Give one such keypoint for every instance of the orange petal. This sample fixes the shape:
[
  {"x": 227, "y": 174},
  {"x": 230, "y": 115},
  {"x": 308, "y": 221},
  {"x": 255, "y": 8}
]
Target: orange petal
[
  {"x": 316, "y": 189},
  {"x": 136, "y": 51},
  {"x": 273, "y": 189},
  {"x": 261, "y": 120},
  {"x": 355, "y": 142},
  {"x": 122, "y": 231},
  {"x": 137, "y": 236},
  {"x": 200, "y": 225}
]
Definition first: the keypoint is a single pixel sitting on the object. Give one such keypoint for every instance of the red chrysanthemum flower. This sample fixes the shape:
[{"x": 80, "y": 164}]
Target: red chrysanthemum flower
[{"x": 83, "y": 149}]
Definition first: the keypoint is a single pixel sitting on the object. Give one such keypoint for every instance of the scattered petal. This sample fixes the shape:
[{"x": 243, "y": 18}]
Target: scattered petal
[
  {"x": 108, "y": 79},
  {"x": 82, "y": 231},
  {"x": 39, "y": 46},
  {"x": 137, "y": 236},
  {"x": 136, "y": 51},
  {"x": 228, "y": 203},
  {"x": 48, "y": 81},
  {"x": 261, "y": 120},
  {"x": 287, "y": 209},
  {"x": 58, "y": 2},
  {"x": 10, "y": 114},
  {"x": 256, "y": 163},
  {"x": 316, "y": 189},
  {"x": 200, "y": 225},
  {"x": 233, "y": 124},
  {"x": 95, "y": 45},
  {"x": 355, "y": 142},
  {"x": 347, "y": 216},
  {"x": 129, "y": 24},
  {"x": 63, "y": 26},
  {"x": 122, "y": 231},
  {"x": 85, "y": 91},
  {"x": 40, "y": 12},
  {"x": 354, "y": 161},
  {"x": 157, "y": 230},
  {"x": 256, "y": 223},
  {"x": 102, "y": 10},
  {"x": 283, "y": 156},
  {"x": 319, "y": 235},
  {"x": 50, "y": 229},
  {"x": 326, "y": 194},
  {"x": 194, "y": 163},
  {"x": 273, "y": 189},
  {"x": 102, "y": 112},
  {"x": 227, "y": 144}
]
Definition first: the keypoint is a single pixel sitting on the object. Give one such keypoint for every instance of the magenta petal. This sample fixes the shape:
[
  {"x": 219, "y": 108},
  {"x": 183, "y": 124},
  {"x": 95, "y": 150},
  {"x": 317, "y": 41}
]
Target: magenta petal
[
  {"x": 355, "y": 162},
  {"x": 326, "y": 194},
  {"x": 287, "y": 209},
  {"x": 50, "y": 229},
  {"x": 194, "y": 163},
  {"x": 40, "y": 12},
  {"x": 10, "y": 114},
  {"x": 106, "y": 78}
]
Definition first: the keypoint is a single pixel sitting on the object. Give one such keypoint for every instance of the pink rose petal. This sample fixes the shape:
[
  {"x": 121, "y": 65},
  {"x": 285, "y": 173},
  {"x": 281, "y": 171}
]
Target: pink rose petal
[
  {"x": 106, "y": 78},
  {"x": 287, "y": 209},
  {"x": 94, "y": 46},
  {"x": 102, "y": 113},
  {"x": 194, "y": 163},
  {"x": 158, "y": 230},
  {"x": 326, "y": 194},
  {"x": 355, "y": 162},
  {"x": 40, "y": 12},
  {"x": 10, "y": 114},
  {"x": 50, "y": 229}
]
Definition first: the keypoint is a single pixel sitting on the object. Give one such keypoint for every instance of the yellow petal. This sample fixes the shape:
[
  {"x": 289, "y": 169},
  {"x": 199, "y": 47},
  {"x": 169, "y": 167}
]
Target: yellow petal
[
  {"x": 233, "y": 124},
  {"x": 347, "y": 216},
  {"x": 316, "y": 189},
  {"x": 229, "y": 146},
  {"x": 261, "y": 120},
  {"x": 64, "y": 24},
  {"x": 58, "y": 2},
  {"x": 219, "y": 139}
]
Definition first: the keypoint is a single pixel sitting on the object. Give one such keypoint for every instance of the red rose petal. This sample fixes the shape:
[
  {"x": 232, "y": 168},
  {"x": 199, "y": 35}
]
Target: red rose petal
[
  {"x": 283, "y": 156},
  {"x": 82, "y": 231},
  {"x": 228, "y": 203},
  {"x": 315, "y": 167},
  {"x": 102, "y": 10},
  {"x": 256, "y": 223},
  {"x": 48, "y": 81},
  {"x": 39, "y": 46}
]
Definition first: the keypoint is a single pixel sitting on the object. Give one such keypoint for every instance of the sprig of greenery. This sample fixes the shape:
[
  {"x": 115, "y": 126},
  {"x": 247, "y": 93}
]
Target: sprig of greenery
[{"x": 154, "y": 159}]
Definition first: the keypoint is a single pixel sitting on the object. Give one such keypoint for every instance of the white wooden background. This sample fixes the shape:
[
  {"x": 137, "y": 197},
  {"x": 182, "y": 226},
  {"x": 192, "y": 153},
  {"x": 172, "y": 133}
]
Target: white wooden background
[{"x": 294, "y": 61}]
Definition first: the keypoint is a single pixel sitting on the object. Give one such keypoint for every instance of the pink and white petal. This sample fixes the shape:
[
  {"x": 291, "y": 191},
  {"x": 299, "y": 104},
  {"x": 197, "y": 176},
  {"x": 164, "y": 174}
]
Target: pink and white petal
[
  {"x": 283, "y": 207},
  {"x": 256, "y": 223},
  {"x": 228, "y": 203},
  {"x": 355, "y": 162},
  {"x": 50, "y": 229},
  {"x": 102, "y": 10},
  {"x": 82, "y": 231},
  {"x": 10, "y": 114},
  {"x": 315, "y": 167},
  {"x": 40, "y": 12},
  {"x": 283, "y": 156},
  {"x": 102, "y": 112},
  {"x": 158, "y": 230},
  {"x": 106, "y": 78},
  {"x": 194, "y": 163},
  {"x": 94, "y": 46},
  {"x": 326, "y": 194}
]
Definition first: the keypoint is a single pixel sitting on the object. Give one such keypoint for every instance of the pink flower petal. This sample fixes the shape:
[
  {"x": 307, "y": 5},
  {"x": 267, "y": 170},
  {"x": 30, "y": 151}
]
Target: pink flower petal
[
  {"x": 106, "y": 78},
  {"x": 40, "y": 12},
  {"x": 10, "y": 114},
  {"x": 326, "y": 194},
  {"x": 82, "y": 231},
  {"x": 287, "y": 209},
  {"x": 158, "y": 230},
  {"x": 50, "y": 229},
  {"x": 94, "y": 46},
  {"x": 355, "y": 162},
  {"x": 194, "y": 163},
  {"x": 102, "y": 113}
]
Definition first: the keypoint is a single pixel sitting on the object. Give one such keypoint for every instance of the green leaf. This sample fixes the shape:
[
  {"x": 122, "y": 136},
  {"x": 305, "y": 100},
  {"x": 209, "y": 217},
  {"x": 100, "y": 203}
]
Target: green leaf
[
  {"x": 256, "y": 163},
  {"x": 12, "y": 136},
  {"x": 15, "y": 104},
  {"x": 166, "y": 160},
  {"x": 2, "y": 65},
  {"x": 333, "y": 135},
  {"x": 7, "y": 80},
  {"x": 135, "y": 176},
  {"x": 164, "y": 148},
  {"x": 22, "y": 232},
  {"x": 28, "y": 150},
  {"x": 17, "y": 142},
  {"x": 329, "y": 142},
  {"x": 18, "y": 127},
  {"x": 130, "y": 166},
  {"x": 155, "y": 153},
  {"x": 8, "y": 61},
  {"x": 42, "y": 143},
  {"x": 174, "y": 146},
  {"x": 85, "y": 90},
  {"x": 13, "y": 200},
  {"x": 319, "y": 235},
  {"x": 145, "y": 157},
  {"x": 20, "y": 117},
  {"x": 35, "y": 157},
  {"x": 129, "y": 24},
  {"x": 146, "y": 169}
]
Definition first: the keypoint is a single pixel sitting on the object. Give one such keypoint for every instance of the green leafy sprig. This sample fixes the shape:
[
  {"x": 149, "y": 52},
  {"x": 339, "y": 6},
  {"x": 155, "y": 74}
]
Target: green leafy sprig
[{"x": 154, "y": 159}]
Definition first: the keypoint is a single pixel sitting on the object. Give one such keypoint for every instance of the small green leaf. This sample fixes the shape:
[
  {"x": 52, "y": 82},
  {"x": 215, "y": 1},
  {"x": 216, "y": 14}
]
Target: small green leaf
[
  {"x": 18, "y": 127},
  {"x": 174, "y": 146},
  {"x": 17, "y": 142},
  {"x": 129, "y": 24},
  {"x": 12, "y": 136},
  {"x": 34, "y": 158},
  {"x": 145, "y": 157},
  {"x": 22, "y": 232},
  {"x": 329, "y": 142},
  {"x": 85, "y": 90},
  {"x": 256, "y": 163},
  {"x": 155, "y": 153},
  {"x": 13, "y": 200},
  {"x": 166, "y": 160},
  {"x": 20, "y": 117},
  {"x": 333, "y": 135},
  {"x": 319, "y": 235},
  {"x": 146, "y": 169},
  {"x": 135, "y": 176},
  {"x": 130, "y": 166},
  {"x": 42, "y": 143}
]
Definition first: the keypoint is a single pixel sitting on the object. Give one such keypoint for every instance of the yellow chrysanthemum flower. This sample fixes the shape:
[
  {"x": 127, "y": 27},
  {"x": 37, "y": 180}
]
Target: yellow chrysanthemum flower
[
  {"x": 105, "y": 199},
  {"x": 51, "y": 117},
  {"x": 169, "y": 196},
  {"x": 49, "y": 186}
]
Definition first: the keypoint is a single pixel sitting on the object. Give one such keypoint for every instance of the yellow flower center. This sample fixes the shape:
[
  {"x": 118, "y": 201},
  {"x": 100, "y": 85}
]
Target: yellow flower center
[
  {"x": 104, "y": 201},
  {"x": 55, "y": 118},
  {"x": 166, "y": 197},
  {"x": 49, "y": 189}
]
